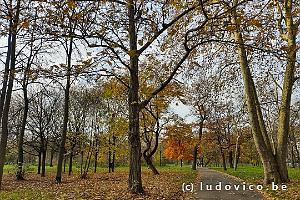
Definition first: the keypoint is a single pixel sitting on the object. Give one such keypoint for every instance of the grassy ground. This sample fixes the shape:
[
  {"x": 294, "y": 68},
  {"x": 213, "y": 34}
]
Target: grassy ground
[
  {"x": 101, "y": 185},
  {"x": 253, "y": 174}
]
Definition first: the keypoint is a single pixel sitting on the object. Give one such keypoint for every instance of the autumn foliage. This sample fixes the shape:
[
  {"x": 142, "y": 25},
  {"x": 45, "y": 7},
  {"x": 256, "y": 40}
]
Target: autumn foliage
[{"x": 179, "y": 142}]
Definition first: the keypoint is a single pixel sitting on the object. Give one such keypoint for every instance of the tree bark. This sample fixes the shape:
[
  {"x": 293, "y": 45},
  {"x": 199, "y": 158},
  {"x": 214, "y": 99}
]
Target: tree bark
[
  {"x": 19, "y": 174},
  {"x": 5, "y": 114},
  {"x": 44, "y": 154},
  {"x": 288, "y": 82},
  {"x": 195, "y": 152},
  {"x": 39, "y": 161},
  {"x": 51, "y": 157},
  {"x": 134, "y": 179},
  {"x": 230, "y": 159},
  {"x": 66, "y": 116},
  {"x": 272, "y": 172},
  {"x": 237, "y": 153}
]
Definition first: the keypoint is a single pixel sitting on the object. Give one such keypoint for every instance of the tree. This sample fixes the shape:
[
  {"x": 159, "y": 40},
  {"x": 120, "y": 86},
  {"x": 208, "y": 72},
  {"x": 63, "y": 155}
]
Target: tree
[
  {"x": 13, "y": 11},
  {"x": 179, "y": 142},
  {"x": 274, "y": 163}
]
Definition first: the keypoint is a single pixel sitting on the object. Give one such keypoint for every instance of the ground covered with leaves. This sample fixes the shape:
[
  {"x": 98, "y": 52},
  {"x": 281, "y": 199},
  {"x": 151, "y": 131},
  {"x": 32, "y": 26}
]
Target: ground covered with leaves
[{"x": 100, "y": 185}]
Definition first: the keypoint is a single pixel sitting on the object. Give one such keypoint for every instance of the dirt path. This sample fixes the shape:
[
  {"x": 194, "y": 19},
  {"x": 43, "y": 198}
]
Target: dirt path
[{"x": 213, "y": 186}]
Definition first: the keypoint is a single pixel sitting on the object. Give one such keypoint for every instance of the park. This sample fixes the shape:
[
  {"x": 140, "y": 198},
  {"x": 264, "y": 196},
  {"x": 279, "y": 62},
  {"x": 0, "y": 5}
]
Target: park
[{"x": 149, "y": 99}]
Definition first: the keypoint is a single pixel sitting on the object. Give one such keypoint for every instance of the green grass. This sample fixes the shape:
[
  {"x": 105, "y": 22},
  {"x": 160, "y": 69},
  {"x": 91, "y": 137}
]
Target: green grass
[
  {"x": 190, "y": 175},
  {"x": 26, "y": 194},
  {"x": 254, "y": 173}
]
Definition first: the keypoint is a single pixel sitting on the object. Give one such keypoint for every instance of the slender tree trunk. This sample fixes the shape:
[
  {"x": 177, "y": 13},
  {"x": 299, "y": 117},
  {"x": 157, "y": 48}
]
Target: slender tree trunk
[
  {"x": 66, "y": 116},
  {"x": 109, "y": 156},
  {"x": 5, "y": 113},
  {"x": 195, "y": 152},
  {"x": 19, "y": 174},
  {"x": 39, "y": 161},
  {"x": 237, "y": 153},
  {"x": 113, "y": 153},
  {"x": 288, "y": 82},
  {"x": 150, "y": 165},
  {"x": 71, "y": 160},
  {"x": 230, "y": 159},
  {"x": 223, "y": 159},
  {"x": 134, "y": 179},
  {"x": 96, "y": 162},
  {"x": 65, "y": 162},
  {"x": 81, "y": 162},
  {"x": 51, "y": 157},
  {"x": 293, "y": 157},
  {"x": 44, "y": 154},
  {"x": 194, "y": 165}
]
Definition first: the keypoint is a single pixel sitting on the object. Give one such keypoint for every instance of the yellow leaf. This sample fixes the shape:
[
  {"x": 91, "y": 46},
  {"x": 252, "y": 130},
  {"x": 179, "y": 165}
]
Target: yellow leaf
[
  {"x": 25, "y": 24},
  {"x": 72, "y": 4}
]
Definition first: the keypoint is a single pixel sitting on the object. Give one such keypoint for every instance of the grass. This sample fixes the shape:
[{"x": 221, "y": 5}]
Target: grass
[{"x": 253, "y": 174}]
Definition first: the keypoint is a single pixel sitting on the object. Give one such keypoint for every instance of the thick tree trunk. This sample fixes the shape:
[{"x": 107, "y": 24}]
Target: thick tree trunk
[
  {"x": 66, "y": 116},
  {"x": 262, "y": 142},
  {"x": 134, "y": 179}
]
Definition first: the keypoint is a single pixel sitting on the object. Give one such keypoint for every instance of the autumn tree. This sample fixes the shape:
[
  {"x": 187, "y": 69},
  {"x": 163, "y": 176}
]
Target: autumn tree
[
  {"x": 274, "y": 163},
  {"x": 12, "y": 10},
  {"x": 179, "y": 141}
]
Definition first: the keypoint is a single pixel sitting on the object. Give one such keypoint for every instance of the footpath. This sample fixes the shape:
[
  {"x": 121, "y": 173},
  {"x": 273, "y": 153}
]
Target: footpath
[{"x": 219, "y": 186}]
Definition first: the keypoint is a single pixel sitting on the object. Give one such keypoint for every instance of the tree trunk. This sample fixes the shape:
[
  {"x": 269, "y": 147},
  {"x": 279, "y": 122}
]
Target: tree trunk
[
  {"x": 71, "y": 160},
  {"x": 150, "y": 165},
  {"x": 66, "y": 116},
  {"x": 230, "y": 159},
  {"x": 39, "y": 161},
  {"x": 81, "y": 162},
  {"x": 44, "y": 154},
  {"x": 134, "y": 179},
  {"x": 262, "y": 142},
  {"x": 194, "y": 165},
  {"x": 223, "y": 159},
  {"x": 65, "y": 162},
  {"x": 96, "y": 162},
  {"x": 51, "y": 157},
  {"x": 19, "y": 174},
  {"x": 293, "y": 157},
  {"x": 195, "y": 152},
  {"x": 237, "y": 153},
  {"x": 288, "y": 82},
  {"x": 5, "y": 114}
]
